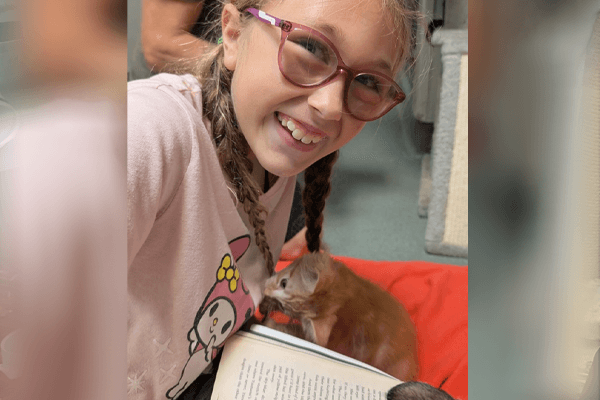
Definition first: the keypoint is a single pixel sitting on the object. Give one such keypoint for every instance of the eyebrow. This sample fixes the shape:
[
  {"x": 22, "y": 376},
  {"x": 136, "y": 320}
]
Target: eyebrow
[
  {"x": 330, "y": 30},
  {"x": 335, "y": 32},
  {"x": 384, "y": 65}
]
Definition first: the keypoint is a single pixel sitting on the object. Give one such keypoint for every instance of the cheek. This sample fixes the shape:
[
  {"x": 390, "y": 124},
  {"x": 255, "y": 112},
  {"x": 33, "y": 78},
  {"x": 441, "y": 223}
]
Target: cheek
[
  {"x": 281, "y": 294},
  {"x": 350, "y": 130},
  {"x": 246, "y": 105},
  {"x": 258, "y": 87}
]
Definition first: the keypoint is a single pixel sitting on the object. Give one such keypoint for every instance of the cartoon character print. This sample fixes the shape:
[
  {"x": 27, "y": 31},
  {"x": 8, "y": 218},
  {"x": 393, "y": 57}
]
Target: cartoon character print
[{"x": 226, "y": 307}]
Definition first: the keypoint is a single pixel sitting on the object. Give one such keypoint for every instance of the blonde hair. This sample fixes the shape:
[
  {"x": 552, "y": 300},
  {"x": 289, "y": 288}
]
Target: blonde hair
[{"x": 232, "y": 148}]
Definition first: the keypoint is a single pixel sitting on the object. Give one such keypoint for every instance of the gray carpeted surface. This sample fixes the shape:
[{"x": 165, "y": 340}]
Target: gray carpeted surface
[{"x": 372, "y": 212}]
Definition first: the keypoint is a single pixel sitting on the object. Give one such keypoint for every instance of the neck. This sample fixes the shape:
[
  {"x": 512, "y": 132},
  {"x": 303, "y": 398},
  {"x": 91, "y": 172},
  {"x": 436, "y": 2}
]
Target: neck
[{"x": 258, "y": 173}]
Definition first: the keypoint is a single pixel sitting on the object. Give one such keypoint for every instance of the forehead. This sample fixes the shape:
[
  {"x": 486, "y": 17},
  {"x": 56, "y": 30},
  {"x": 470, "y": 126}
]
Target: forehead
[{"x": 362, "y": 31}]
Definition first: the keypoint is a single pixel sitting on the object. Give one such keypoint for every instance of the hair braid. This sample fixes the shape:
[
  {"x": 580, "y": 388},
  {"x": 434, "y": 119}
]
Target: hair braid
[
  {"x": 232, "y": 147},
  {"x": 317, "y": 186}
]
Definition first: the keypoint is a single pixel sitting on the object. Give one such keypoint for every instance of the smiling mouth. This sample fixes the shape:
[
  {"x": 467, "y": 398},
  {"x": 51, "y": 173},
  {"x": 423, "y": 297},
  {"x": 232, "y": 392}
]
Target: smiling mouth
[{"x": 297, "y": 132}]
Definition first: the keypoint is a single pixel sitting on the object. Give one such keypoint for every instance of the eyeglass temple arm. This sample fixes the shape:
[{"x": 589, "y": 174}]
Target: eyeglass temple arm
[{"x": 266, "y": 18}]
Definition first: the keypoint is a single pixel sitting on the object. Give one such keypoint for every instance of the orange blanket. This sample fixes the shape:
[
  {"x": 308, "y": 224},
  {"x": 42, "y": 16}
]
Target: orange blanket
[{"x": 436, "y": 296}]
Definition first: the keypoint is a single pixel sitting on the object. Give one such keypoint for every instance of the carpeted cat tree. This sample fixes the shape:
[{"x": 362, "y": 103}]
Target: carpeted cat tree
[{"x": 443, "y": 195}]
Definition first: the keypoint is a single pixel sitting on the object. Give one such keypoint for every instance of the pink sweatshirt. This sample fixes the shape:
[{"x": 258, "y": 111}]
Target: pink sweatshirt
[{"x": 195, "y": 274}]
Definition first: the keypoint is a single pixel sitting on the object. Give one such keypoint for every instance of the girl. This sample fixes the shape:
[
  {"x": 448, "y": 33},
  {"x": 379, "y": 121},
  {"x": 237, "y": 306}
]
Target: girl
[{"x": 212, "y": 163}]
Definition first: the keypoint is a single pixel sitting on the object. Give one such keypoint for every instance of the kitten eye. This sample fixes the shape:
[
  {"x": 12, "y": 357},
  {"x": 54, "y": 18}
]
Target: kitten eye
[{"x": 283, "y": 283}]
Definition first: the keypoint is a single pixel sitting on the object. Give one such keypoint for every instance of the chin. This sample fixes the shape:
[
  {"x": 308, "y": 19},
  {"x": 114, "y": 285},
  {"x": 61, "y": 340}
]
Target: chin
[
  {"x": 283, "y": 170},
  {"x": 285, "y": 174}
]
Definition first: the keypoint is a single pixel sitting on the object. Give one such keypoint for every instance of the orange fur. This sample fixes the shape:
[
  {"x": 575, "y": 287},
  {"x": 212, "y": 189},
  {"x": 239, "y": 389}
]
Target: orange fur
[{"x": 346, "y": 313}]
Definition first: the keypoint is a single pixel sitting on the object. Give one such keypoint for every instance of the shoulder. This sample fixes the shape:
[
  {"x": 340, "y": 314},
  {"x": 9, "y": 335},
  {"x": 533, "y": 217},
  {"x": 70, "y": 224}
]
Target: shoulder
[
  {"x": 164, "y": 98},
  {"x": 177, "y": 86},
  {"x": 164, "y": 115}
]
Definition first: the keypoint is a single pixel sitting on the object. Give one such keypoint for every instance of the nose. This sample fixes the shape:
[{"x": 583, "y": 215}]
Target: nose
[{"x": 328, "y": 100}]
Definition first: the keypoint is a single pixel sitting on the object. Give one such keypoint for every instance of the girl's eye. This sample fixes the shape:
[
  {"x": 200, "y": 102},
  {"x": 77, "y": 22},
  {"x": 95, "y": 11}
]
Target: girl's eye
[
  {"x": 369, "y": 81},
  {"x": 316, "y": 48},
  {"x": 283, "y": 283}
]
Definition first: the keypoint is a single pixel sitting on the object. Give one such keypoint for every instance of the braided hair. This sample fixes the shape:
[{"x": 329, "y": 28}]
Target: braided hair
[
  {"x": 232, "y": 147},
  {"x": 317, "y": 186}
]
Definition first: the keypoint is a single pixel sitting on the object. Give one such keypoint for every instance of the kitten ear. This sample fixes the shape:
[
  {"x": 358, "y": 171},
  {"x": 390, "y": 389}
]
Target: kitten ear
[
  {"x": 310, "y": 277},
  {"x": 322, "y": 261}
]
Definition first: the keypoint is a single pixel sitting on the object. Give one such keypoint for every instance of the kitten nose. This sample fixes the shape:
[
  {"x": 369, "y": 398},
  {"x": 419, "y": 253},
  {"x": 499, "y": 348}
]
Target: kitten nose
[{"x": 268, "y": 290}]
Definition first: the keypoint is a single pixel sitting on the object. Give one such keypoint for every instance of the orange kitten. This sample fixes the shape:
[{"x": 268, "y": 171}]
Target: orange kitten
[{"x": 345, "y": 313}]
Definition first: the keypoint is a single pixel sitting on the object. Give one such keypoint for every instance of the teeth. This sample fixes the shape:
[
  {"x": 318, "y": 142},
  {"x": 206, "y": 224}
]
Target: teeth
[{"x": 298, "y": 133}]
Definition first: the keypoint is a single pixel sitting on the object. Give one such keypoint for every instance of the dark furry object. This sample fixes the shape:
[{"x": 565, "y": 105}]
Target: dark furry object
[{"x": 417, "y": 391}]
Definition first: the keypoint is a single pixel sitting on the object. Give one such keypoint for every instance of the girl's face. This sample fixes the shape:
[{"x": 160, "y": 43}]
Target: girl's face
[{"x": 262, "y": 97}]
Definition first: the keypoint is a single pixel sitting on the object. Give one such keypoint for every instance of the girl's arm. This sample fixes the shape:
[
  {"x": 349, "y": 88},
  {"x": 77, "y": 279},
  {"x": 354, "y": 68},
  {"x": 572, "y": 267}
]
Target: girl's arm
[
  {"x": 158, "y": 152},
  {"x": 166, "y": 36}
]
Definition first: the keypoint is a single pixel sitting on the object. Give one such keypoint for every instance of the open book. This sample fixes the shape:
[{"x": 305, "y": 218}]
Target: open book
[{"x": 264, "y": 364}]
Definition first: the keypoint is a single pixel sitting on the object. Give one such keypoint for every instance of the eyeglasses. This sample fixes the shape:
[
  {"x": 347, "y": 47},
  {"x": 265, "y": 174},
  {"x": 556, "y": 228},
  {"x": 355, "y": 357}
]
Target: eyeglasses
[{"x": 308, "y": 59}]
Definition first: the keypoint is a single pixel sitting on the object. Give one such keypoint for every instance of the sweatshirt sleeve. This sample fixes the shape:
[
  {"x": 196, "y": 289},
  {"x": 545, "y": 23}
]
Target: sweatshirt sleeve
[{"x": 159, "y": 145}]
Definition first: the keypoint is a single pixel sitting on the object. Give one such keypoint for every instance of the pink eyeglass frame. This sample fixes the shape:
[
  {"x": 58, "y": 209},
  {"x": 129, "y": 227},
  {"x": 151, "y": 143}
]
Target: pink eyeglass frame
[{"x": 288, "y": 26}]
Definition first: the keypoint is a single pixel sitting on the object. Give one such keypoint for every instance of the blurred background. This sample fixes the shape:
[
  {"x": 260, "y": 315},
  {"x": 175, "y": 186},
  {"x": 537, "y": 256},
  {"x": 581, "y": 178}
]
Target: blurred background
[
  {"x": 62, "y": 199},
  {"x": 533, "y": 197}
]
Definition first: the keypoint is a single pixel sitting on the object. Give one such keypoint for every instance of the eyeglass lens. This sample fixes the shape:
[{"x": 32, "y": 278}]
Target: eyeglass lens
[{"x": 307, "y": 60}]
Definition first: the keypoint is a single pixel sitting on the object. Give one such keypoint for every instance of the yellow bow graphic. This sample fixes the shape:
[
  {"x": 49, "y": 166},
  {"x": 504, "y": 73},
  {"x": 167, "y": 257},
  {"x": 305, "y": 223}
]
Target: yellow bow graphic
[{"x": 228, "y": 271}]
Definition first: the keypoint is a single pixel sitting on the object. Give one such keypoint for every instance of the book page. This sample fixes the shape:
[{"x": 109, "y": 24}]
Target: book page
[
  {"x": 255, "y": 367},
  {"x": 284, "y": 339}
]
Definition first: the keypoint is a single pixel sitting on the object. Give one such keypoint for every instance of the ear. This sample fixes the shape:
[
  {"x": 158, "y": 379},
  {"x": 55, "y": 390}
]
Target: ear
[
  {"x": 230, "y": 26},
  {"x": 310, "y": 276},
  {"x": 322, "y": 260}
]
